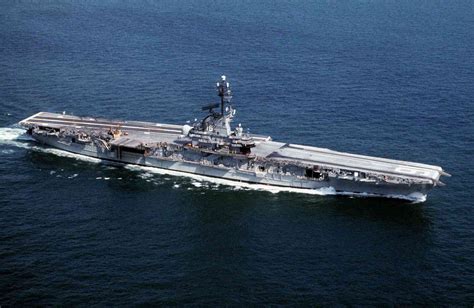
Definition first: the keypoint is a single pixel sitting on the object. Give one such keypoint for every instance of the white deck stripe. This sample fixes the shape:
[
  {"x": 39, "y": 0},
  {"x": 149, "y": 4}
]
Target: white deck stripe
[
  {"x": 27, "y": 119},
  {"x": 73, "y": 123}
]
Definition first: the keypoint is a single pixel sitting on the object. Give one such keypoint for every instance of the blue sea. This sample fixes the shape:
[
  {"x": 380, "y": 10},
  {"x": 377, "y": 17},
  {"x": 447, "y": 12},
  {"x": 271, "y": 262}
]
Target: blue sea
[{"x": 376, "y": 77}]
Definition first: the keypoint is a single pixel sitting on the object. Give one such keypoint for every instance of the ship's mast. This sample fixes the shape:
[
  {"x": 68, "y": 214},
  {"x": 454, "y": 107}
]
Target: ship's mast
[{"x": 223, "y": 89}]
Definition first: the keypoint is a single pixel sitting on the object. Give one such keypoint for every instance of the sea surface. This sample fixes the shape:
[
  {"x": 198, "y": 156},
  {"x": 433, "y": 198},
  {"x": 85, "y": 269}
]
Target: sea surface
[{"x": 385, "y": 78}]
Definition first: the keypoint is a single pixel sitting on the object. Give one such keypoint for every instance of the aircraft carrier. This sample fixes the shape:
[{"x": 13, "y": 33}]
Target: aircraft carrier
[{"x": 212, "y": 148}]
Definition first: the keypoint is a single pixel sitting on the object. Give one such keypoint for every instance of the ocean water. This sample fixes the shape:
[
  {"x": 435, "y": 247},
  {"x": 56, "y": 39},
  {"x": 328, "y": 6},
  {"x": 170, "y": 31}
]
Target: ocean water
[{"x": 385, "y": 78}]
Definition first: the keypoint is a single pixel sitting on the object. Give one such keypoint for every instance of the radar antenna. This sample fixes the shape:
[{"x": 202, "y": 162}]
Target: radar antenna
[{"x": 223, "y": 89}]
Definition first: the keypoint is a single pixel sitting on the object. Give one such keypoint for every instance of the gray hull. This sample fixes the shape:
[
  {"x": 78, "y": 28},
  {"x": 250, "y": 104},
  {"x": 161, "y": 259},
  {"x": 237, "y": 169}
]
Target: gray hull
[{"x": 332, "y": 184}]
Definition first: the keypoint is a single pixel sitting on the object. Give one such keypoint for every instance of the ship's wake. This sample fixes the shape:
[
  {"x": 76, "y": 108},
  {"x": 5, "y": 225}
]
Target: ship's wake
[
  {"x": 16, "y": 137},
  {"x": 325, "y": 191}
]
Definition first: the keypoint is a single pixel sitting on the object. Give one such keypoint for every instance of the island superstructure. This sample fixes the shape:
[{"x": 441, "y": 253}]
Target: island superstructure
[{"x": 212, "y": 148}]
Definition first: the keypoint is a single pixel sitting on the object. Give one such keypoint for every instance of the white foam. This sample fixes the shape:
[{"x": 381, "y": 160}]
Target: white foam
[
  {"x": 62, "y": 153},
  {"x": 325, "y": 191},
  {"x": 145, "y": 175},
  {"x": 196, "y": 184},
  {"x": 198, "y": 179},
  {"x": 414, "y": 197},
  {"x": 9, "y": 151},
  {"x": 10, "y": 133},
  {"x": 17, "y": 137},
  {"x": 417, "y": 197},
  {"x": 14, "y": 137}
]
